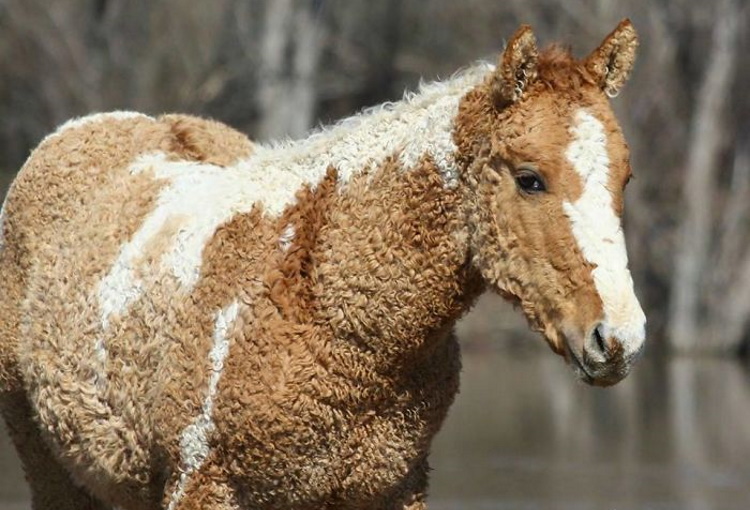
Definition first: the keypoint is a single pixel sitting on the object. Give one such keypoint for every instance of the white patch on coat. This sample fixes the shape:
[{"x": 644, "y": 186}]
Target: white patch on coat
[
  {"x": 207, "y": 196},
  {"x": 599, "y": 234},
  {"x": 94, "y": 117},
  {"x": 194, "y": 440},
  {"x": 286, "y": 238}
]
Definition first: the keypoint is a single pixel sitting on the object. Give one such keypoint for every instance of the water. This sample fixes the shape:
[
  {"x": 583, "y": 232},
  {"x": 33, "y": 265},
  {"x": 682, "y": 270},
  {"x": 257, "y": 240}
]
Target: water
[{"x": 524, "y": 435}]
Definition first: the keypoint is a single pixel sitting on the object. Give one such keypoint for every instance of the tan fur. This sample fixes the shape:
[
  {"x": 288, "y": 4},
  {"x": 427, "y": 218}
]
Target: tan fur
[
  {"x": 341, "y": 360},
  {"x": 205, "y": 140},
  {"x": 315, "y": 396}
]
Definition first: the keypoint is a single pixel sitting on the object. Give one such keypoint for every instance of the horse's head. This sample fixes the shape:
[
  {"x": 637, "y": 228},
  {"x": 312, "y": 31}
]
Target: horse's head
[{"x": 545, "y": 167}]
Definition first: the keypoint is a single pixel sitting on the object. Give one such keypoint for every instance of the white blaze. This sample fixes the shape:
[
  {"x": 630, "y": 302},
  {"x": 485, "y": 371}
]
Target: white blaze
[{"x": 599, "y": 234}]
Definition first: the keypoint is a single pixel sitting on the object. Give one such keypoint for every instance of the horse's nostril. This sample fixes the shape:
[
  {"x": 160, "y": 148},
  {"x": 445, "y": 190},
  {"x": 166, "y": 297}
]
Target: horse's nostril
[
  {"x": 599, "y": 341},
  {"x": 597, "y": 346}
]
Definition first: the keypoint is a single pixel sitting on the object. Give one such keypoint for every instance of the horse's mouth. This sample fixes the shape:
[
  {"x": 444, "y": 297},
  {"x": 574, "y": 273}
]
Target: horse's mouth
[{"x": 578, "y": 366}]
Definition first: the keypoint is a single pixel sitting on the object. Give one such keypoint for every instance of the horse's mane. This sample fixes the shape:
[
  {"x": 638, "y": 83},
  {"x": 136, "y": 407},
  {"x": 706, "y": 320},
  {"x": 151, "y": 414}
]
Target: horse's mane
[{"x": 426, "y": 93}]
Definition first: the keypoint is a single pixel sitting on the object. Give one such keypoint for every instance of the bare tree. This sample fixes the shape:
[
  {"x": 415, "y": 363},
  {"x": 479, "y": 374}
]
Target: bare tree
[
  {"x": 289, "y": 52},
  {"x": 689, "y": 327}
]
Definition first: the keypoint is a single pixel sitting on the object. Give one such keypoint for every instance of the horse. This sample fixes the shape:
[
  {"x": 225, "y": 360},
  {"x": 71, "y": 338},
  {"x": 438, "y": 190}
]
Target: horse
[{"x": 192, "y": 320}]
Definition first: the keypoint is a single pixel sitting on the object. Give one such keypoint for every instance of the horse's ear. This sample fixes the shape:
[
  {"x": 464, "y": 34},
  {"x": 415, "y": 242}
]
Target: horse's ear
[
  {"x": 516, "y": 68},
  {"x": 612, "y": 61}
]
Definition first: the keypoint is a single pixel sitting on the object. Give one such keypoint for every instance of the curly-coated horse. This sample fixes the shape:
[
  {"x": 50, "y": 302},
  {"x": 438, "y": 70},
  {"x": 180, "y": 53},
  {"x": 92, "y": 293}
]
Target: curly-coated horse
[{"x": 191, "y": 321}]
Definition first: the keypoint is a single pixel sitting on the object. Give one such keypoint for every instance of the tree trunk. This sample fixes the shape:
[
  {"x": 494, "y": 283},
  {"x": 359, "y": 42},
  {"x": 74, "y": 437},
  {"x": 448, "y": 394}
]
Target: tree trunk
[
  {"x": 686, "y": 329},
  {"x": 290, "y": 49}
]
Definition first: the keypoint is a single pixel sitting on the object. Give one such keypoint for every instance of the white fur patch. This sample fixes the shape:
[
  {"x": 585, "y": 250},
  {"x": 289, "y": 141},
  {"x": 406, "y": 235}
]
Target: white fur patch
[
  {"x": 286, "y": 238},
  {"x": 194, "y": 440},
  {"x": 94, "y": 117},
  {"x": 599, "y": 234},
  {"x": 205, "y": 196}
]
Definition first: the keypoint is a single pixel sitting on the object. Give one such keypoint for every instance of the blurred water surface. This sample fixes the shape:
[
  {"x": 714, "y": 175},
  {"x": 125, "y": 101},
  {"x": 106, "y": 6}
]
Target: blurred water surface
[{"x": 524, "y": 435}]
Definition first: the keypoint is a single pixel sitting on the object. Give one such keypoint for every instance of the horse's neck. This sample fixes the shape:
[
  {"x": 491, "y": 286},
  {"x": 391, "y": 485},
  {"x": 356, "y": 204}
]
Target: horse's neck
[{"x": 392, "y": 266}]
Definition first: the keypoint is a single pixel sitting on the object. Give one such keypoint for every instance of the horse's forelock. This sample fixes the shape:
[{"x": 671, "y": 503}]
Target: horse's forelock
[{"x": 560, "y": 71}]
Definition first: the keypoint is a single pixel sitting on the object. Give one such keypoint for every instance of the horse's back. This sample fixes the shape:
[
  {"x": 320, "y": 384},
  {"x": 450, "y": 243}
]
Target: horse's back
[
  {"x": 85, "y": 164},
  {"x": 72, "y": 208}
]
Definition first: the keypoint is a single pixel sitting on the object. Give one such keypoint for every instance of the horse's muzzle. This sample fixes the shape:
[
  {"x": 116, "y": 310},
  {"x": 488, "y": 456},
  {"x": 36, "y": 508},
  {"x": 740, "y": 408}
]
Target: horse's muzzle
[{"x": 603, "y": 359}]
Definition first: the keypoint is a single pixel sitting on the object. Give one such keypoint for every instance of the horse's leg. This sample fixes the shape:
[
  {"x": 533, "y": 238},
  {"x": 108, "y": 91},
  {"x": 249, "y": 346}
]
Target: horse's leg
[
  {"x": 51, "y": 486},
  {"x": 416, "y": 482}
]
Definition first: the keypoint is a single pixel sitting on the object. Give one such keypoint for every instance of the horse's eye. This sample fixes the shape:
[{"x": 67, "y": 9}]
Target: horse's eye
[{"x": 530, "y": 182}]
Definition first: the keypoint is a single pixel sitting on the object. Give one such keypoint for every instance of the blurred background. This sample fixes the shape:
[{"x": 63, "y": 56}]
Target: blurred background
[{"x": 523, "y": 434}]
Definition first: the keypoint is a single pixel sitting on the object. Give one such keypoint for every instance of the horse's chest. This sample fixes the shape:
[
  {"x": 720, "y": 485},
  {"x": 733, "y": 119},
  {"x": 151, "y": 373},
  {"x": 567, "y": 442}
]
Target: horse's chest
[{"x": 317, "y": 448}]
